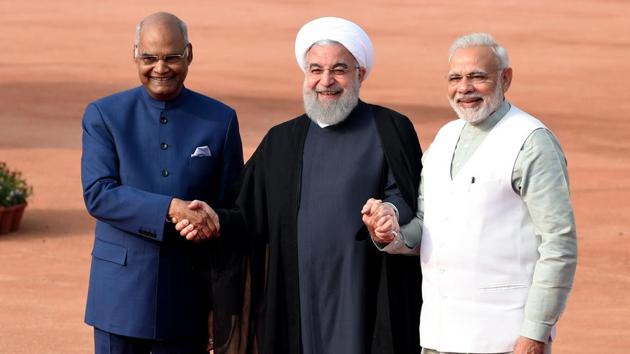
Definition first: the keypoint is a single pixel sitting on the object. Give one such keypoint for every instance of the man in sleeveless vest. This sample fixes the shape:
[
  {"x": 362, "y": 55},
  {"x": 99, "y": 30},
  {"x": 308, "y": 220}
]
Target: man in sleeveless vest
[
  {"x": 328, "y": 290},
  {"x": 494, "y": 228}
]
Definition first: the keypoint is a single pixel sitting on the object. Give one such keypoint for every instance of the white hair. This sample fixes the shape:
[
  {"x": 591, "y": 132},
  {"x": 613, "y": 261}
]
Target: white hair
[
  {"x": 481, "y": 40},
  {"x": 180, "y": 24}
]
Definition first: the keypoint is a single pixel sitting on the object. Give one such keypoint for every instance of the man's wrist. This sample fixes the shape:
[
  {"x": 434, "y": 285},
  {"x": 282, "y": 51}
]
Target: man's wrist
[
  {"x": 393, "y": 207},
  {"x": 173, "y": 207},
  {"x": 536, "y": 331}
]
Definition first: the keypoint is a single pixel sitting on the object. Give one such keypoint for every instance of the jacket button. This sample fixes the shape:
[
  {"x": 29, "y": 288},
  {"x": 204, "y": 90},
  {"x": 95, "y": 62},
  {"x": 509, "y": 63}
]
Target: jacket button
[
  {"x": 165, "y": 173},
  {"x": 164, "y": 146},
  {"x": 163, "y": 120}
]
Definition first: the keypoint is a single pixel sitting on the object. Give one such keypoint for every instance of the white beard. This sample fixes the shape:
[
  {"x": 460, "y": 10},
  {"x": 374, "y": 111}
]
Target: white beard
[
  {"x": 478, "y": 114},
  {"x": 330, "y": 113}
]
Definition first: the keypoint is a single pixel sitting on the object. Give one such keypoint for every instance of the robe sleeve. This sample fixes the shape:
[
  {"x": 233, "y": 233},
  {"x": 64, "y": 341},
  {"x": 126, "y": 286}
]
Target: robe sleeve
[
  {"x": 240, "y": 270},
  {"x": 400, "y": 301},
  {"x": 246, "y": 220}
]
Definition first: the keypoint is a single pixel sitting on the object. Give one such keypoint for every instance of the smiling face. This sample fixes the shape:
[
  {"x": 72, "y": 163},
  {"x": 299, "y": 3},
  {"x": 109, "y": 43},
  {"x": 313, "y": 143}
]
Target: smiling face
[
  {"x": 476, "y": 83},
  {"x": 164, "y": 78},
  {"x": 331, "y": 84}
]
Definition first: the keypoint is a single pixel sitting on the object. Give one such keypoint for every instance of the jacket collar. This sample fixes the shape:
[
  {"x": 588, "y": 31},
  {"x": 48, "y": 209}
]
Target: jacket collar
[{"x": 165, "y": 104}]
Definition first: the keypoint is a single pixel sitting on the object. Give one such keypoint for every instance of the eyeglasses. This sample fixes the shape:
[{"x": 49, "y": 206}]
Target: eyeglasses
[
  {"x": 149, "y": 59},
  {"x": 475, "y": 77},
  {"x": 338, "y": 70}
]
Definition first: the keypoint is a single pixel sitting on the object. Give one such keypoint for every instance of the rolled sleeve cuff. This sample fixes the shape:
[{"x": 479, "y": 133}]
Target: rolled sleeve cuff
[
  {"x": 537, "y": 331},
  {"x": 397, "y": 246}
]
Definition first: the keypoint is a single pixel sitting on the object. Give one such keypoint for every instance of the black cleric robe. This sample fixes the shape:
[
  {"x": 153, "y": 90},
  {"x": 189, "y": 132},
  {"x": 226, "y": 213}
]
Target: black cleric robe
[{"x": 268, "y": 205}]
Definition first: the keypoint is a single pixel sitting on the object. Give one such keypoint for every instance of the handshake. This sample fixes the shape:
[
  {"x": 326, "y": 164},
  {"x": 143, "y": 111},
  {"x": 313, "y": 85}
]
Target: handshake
[
  {"x": 196, "y": 220},
  {"x": 381, "y": 220}
]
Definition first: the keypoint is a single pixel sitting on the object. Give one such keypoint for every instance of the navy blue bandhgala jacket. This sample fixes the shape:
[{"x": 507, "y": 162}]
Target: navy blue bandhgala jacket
[{"x": 139, "y": 153}]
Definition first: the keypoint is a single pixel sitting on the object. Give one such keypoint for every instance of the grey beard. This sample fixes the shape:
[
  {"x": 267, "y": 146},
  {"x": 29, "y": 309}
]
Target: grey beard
[
  {"x": 333, "y": 112},
  {"x": 490, "y": 105}
]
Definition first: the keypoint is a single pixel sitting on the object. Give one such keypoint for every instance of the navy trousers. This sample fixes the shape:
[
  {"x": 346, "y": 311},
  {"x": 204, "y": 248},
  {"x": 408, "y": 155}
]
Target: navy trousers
[{"x": 110, "y": 343}]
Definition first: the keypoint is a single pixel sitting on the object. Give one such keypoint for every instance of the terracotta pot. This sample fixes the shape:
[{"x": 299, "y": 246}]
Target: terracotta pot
[
  {"x": 10, "y": 218},
  {"x": 18, "y": 212},
  {"x": 6, "y": 218}
]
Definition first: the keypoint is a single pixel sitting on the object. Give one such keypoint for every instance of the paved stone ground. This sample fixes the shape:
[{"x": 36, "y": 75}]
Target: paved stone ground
[{"x": 569, "y": 58}]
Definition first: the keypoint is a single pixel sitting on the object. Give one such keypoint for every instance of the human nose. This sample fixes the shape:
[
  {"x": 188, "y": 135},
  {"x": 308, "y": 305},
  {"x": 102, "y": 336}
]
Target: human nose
[
  {"x": 160, "y": 66},
  {"x": 464, "y": 85},
  {"x": 327, "y": 78}
]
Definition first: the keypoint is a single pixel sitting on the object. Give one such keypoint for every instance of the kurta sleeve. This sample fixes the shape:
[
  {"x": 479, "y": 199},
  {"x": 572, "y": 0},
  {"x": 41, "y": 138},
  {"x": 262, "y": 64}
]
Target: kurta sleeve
[{"x": 540, "y": 176}]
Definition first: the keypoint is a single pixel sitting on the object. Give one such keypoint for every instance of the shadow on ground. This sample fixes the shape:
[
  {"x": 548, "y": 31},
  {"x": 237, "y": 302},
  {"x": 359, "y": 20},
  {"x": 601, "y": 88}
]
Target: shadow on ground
[{"x": 48, "y": 223}]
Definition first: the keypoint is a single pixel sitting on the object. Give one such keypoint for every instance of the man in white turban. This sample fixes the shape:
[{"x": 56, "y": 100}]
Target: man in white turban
[
  {"x": 347, "y": 33},
  {"x": 328, "y": 290}
]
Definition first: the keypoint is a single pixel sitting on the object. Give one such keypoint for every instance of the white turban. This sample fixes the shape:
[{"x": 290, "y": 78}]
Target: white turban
[{"x": 339, "y": 30}]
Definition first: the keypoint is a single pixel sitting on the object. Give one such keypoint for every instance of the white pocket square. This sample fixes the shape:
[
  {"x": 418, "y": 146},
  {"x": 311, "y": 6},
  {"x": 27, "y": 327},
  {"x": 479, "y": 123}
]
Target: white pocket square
[{"x": 202, "y": 151}]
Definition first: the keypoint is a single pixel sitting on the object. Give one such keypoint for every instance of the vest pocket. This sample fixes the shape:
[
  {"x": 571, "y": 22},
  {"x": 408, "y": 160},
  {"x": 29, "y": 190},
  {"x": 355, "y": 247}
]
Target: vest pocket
[{"x": 503, "y": 287}]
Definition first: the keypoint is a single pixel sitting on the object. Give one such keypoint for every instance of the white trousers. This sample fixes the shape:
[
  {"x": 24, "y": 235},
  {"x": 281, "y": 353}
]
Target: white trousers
[{"x": 431, "y": 351}]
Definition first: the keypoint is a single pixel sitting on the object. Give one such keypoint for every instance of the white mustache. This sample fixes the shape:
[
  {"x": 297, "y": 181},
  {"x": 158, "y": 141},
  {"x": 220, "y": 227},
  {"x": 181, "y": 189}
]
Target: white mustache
[
  {"x": 468, "y": 97},
  {"x": 328, "y": 90}
]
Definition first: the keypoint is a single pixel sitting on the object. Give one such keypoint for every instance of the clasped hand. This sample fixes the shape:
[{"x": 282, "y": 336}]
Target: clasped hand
[
  {"x": 381, "y": 221},
  {"x": 194, "y": 220}
]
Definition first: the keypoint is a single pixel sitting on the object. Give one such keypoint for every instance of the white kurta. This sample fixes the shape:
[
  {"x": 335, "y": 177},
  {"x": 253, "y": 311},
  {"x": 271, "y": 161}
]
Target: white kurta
[{"x": 478, "y": 247}]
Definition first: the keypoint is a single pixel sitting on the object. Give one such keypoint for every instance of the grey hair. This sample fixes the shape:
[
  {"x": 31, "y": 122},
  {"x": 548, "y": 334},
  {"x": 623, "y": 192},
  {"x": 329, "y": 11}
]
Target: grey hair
[
  {"x": 180, "y": 24},
  {"x": 481, "y": 40}
]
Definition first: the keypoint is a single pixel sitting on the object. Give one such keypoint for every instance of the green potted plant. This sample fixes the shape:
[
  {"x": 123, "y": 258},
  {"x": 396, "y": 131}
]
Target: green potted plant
[{"x": 14, "y": 191}]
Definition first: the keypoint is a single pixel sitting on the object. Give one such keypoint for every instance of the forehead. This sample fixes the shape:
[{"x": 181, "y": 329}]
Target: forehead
[
  {"x": 329, "y": 54},
  {"x": 161, "y": 36},
  {"x": 473, "y": 58}
]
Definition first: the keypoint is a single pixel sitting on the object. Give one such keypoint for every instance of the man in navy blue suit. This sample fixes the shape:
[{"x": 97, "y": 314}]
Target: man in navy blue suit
[{"x": 147, "y": 291}]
